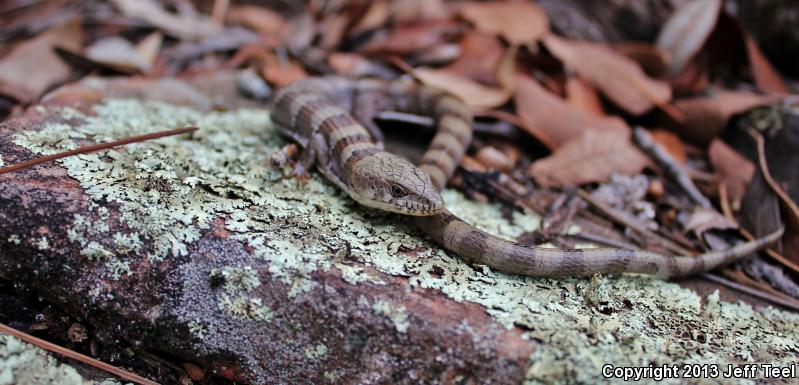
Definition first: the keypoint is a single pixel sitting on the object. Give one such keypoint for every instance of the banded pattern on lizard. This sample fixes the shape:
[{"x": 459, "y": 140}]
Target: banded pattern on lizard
[{"x": 317, "y": 113}]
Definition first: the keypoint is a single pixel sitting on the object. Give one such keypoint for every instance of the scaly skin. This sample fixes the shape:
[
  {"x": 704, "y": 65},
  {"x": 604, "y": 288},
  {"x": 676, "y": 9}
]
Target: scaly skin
[{"x": 318, "y": 114}]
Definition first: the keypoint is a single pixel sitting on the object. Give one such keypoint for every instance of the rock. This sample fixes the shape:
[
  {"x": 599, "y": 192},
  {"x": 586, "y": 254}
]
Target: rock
[{"x": 195, "y": 247}]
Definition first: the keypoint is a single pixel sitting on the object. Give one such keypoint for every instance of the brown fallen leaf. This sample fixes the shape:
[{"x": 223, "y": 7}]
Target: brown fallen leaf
[
  {"x": 591, "y": 157},
  {"x": 475, "y": 95},
  {"x": 735, "y": 171},
  {"x": 655, "y": 61},
  {"x": 282, "y": 74},
  {"x": 408, "y": 39},
  {"x": 583, "y": 96},
  {"x": 355, "y": 65},
  {"x": 519, "y": 22},
  {"x": 694, "y": 78},
  {"x": 671, "y": 143},
  {"x": 617, "y": 76},
  {"x": 118, "y": 53},
  {"x": 541, "y": 110},
  {"x": 412, "y": 11},
  {"x": 187, "y": 27},
  {"x": 375, "y": 16},
  {"x": 494, "y": 159},
  {"x": 789, "y": 209},
  {"x": 331, "y": 31},
  {"x": 32, "y": 67},
  {"x": 260, "y": 19},
  {"x": 703, "y": 219},
  {"x": 150, "y": 47},
  {"x": 480, "y": 56},
  {"x": 707, "y": 116},
  {"x": 766, "y": 77},
  {"x": 686, "y": 31}
]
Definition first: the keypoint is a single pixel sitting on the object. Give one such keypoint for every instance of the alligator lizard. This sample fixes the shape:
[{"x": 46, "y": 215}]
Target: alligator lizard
[{"x": 320, "y": 115}]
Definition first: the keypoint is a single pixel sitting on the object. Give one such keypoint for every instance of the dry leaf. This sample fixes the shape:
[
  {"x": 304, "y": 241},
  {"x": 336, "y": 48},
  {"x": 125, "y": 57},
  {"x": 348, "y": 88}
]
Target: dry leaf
[
  {"x": 332, "y": 30},
  {"x": 520, "y": 22},
  {"x": 150, "y": 47},
  {"x": 583, "y": 96},
  {"x": 408, "y": 39},
  {"x": 707, "y": 116},
  {"x": 475, "y": 95},
  {"x": 735, "y": 171},
  {"x": 654, "y": 60},
  {"x": 376, "y": 16},
  {"x": 671, "y": 143},
  {"x": 189, "y": 27},
  {"x": 541, "y": 110},
  {"x": 262, "y": 20},
  {"x": 686, "y": 31},
  {"x": 282, "y": 73},
  {"x": 479, "y": 59},
  {"x": 766, "y": 77},
  {"x": 355, "y": 65},
  {"x": 506, "y": 69},
  {"x": 694, "y": 79},
  {"x": 32, "y": 67},
  {"x": 592, "y": 157},
  {"x": 494, "y": 159},
  {"x": 413, "y": 11},
  {"x": 618, "y": 77},
  {"x": 119, "y": 54},
  {"x": 704, "y": 219}
]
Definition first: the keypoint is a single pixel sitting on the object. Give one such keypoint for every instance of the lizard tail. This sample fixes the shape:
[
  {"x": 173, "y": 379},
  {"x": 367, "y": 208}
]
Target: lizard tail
[
  {"x": 481, "y": 247},
  {"x": 440, "y": 161}
]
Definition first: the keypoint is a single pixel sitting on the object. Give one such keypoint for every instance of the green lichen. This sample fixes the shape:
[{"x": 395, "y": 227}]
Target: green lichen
[
  {"x": 245, "y": 307},
  {"x": 200, "y": 329},
  {"x": 315, "y": 352},
  {"x": 25, "y": 364},
  {"x": 397, "y": 314},
  {"x": 15, "y": 239},
  {"x": 238, "y": 279},
  {"x": 42, "y": 244},
  {"x": 170, "y": 190}
]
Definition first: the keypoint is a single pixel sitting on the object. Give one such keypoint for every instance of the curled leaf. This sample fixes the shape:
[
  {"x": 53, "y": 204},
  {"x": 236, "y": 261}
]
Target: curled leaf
[
  {"x": 594, "y": 156},
  {"x": 263, "y": 20},
  {"x": 119, "y": 54},
  {"x": 519, "y": 22},
  {"x": 707, "y": 116},
  {"x": 617, "y": 76},
  {"x": 183, "y": 26},
  {"x": 541, "y": 110},
  {"x": 686, "y": 31},
  {"x": 474, "y": 94},
  {"x": 735, "y": 171},
  {"x": 32, "y": 67}
]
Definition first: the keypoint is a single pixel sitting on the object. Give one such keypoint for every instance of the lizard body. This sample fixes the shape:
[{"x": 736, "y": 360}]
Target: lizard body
[{"x": 318, "y": 114}]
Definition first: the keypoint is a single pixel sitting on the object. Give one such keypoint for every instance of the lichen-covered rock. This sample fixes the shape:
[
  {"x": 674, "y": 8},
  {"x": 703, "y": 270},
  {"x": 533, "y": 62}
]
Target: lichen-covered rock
[
  {"x": 25, "y": 364},
  {"x": 194, "y": 246}
]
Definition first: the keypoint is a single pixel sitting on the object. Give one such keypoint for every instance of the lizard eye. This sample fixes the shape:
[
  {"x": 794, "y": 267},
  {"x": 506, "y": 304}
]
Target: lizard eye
[{"x": 398, "y": 191}]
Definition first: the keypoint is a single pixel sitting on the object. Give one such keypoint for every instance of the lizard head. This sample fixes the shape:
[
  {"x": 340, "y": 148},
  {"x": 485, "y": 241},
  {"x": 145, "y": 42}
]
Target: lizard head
[{"x": 388, "y": 182}]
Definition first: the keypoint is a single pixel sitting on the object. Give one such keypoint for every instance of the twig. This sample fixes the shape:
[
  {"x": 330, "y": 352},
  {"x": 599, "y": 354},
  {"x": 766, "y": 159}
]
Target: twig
[
  {"x": 787, "y": 302},
  {"x": 94, "y": 148},
  {"x": 121, "y": 373},
  {"x": 790, "y": 205},
  {"x": 669, "y": 165},
  {"x": 622, "y": 219},
  {"x": 596, "y": 238}
]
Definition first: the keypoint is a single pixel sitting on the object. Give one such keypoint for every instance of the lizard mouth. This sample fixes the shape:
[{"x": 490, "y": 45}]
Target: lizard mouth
[
  {"x": 417, "y": 208},
  {"x": 406, "y": 207}
]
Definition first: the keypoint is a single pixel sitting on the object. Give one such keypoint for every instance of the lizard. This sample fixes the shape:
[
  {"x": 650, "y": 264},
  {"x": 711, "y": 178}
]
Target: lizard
[{"x": 330, "y": 118}]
